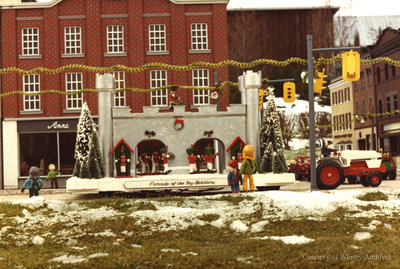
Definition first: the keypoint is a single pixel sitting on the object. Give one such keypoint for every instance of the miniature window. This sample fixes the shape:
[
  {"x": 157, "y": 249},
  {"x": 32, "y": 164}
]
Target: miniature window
[
  {"x": 369, "y": 77},
  {"x": 386, "y": 71},
  {"x": 395, "y": 104},
  {"x": 362, "y": 80},
  {"x": 378, "y": 74},
  {"x": 31, "y": 84},
  {"x": 115, "y": 39},
  {"x": 30, "y": 41},
  {"x": 199, "y": 36},
  {"x": 348, "y": 94},
  {"x": 388, "y": 105},
  {"x": 119, "y": 97},
  {"x": 393, "y": 71},
  {"x": 73, "y": 43},
  {"x": 73, "y": 83},
  {"x": 200, "y": 79},
  {"x": 157, "y": 40},
  {"x": 158, "y": 78}
]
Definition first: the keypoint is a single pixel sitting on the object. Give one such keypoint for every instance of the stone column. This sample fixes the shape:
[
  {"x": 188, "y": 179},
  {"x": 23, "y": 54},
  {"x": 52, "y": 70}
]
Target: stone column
[
  {"x": 252, "y": 83},
  {"x": 105, "y": 85},
  {"x": 242, "y": 90}
]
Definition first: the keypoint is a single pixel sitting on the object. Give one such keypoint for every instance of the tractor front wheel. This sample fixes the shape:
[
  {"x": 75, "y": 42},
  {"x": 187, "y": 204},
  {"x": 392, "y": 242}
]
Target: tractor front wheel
[
  {"x": 374, "y": 180},
  {"x": 329, "y": 175},
  {"x": 392, "y": 175},
  {"x": 364, "y": 181}
]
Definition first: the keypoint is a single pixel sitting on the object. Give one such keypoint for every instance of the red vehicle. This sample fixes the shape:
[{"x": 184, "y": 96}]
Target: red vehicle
[
  {"x": 365, "y": 164},
  {"x": 301, "y": 167}
]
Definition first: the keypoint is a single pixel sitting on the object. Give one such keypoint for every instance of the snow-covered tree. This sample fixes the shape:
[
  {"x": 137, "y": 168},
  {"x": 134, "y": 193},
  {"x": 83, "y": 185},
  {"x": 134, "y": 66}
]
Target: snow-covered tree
[
  {"x": 88, "y": 158},
  {"x": 271, "y": 141}
]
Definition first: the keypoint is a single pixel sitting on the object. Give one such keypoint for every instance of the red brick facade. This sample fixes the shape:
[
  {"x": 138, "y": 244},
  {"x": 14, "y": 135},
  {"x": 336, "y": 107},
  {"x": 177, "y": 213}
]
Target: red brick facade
[{"x": 93, "y": 16}]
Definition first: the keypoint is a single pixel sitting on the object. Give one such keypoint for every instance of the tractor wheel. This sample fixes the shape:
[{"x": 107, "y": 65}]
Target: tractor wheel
[
  {"x": 329, "y": 175},
  {"x": 392, "y": 175},
  {"x": 352, "y": 179},
  {"x": 298, "y": 175},
  {"x": 374, "y": 180},
  {"x": 364, "y": 181}
]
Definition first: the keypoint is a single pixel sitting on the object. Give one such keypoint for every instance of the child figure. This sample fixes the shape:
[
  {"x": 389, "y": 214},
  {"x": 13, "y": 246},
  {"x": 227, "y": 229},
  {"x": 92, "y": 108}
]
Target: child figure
[
  {"x": 234, "y": 177},
  {"x": 52, "y": 175},
  {"x": 249, "y": 167},
  {"x": 33, "y": 183}
]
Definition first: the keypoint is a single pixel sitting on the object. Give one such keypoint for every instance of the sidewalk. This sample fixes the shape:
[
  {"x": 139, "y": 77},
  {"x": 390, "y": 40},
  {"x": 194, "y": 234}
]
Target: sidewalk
[{"x": 42, "y": 191}]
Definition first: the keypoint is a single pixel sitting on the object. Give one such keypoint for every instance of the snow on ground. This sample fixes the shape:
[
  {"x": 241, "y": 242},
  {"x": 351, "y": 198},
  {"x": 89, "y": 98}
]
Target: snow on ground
[{"x": 178, "y": 215}]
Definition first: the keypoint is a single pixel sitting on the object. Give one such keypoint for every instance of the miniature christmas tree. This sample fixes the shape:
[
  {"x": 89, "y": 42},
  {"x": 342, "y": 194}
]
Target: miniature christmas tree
[
  {"x": 271, "y": 141},
  {"x": 88, "y": 158}
]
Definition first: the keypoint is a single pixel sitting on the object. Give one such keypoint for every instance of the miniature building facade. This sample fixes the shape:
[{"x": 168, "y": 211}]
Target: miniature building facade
[{"x": 106, "y": 33}]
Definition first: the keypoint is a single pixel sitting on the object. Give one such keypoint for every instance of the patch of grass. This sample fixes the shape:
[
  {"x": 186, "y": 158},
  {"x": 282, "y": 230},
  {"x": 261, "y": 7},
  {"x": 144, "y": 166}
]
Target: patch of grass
[
  {"x": 209, "y": 217},
  {"x": 10, "y": 210},
  {"x": 374, "y": 196},
  {"x": 369, "y": 207},
  {"x": 119, "y": 204},
  {"x": 144, "y": 206},
  {"x": 234, "y": 199}
]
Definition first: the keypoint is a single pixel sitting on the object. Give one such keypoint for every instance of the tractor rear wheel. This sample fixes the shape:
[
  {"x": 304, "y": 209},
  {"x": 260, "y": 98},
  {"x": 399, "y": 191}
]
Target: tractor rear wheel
[
  {"x": 374, "y": 180},
  {"x": 329, "y": 175},
  {"x": 352, "y": 179},
  {"x": 364, "y": 181},
  {"x": 392, "y": 175},
  {"x": 298, "y": 175}
]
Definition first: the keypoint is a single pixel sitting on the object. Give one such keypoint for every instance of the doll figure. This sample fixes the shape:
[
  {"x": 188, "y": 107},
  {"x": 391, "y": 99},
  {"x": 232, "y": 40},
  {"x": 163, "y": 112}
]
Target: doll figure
[
  {"x": 52, "y": 175},
  {"x": 234, "y": 177},
  {"x": 33, "y": 183},
  {"x": 249, "y": 167}
]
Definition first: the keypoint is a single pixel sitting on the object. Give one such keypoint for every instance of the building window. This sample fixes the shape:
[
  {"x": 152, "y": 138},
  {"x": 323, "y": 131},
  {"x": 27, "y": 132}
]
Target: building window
[
  {"x": 341, "y": 96},
  {"x": 158, "y": 78},
  {"x": 369, "y": 77},
  {"x": 200, "y": 79},
  {"x": 395, "y": 104},
  {"x": 357, "y": 108},
  {"x": 386, "y": 71},
  {"x": 364, "y": 109},
  {"x": 378, "y": 74},
  {"x": 388, "y": 104},
  {"x": 333, "y": 98},
  {"x": 362, "y": 80},
  {"x": 157, "y": 40},
  {"x": 72, "y": 40},
  {"x": 199, "y": 36},
  {"x": 335, "y": 128},
  {"x": 115, "y": 38},
  {"x": 348, "y": 119},
  {"x": 32, "y": 152},
  {"x": 30, "y": 41},
  {"x": 31, "y": 84},
  {"x": 119, "y": 97},
  {"x": 73, "y": 83},
  {"x": 393, "y": 71},
  {"x": 342, "y": 122},
  {"x": 356, "y": 86},
  {"x": 380, "y": 106}
]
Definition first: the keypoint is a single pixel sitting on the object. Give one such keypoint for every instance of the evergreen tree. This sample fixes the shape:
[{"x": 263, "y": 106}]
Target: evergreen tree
[
  {"x": 88, "y": 158},
  {"x": 271, "y": 141},
  {"x": 96, "y": 162},
  {"x": 85, "y": 171}
]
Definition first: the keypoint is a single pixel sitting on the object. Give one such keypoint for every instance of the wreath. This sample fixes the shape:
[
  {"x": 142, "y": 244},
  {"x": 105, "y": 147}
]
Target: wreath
[{"x": 178, "y": 124}]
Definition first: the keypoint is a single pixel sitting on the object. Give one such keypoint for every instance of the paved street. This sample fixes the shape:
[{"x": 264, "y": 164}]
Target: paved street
[{"x": 61, "y": 194}]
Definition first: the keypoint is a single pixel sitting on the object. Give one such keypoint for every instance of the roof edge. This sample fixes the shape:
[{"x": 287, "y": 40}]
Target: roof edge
[
  {"x": 29, "y": 5},
  {"x": 198, "y": 2}
]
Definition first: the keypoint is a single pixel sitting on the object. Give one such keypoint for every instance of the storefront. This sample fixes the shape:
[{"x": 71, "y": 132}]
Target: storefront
[{"x": 38, "y": 143}]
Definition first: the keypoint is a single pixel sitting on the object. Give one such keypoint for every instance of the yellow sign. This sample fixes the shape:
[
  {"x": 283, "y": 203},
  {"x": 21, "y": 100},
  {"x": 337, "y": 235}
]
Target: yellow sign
[
  {"x": 289, "y": 92},
  {"x": 351, "y": 65}
]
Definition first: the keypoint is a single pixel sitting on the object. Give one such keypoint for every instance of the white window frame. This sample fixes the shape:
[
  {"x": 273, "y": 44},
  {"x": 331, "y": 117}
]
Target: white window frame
[
  {"x": 158, "y": 78},
  {"x": 31, "y": 84},
  {"x": 119, "y": 97},
  {"x": 30, "y": 41},
  {"x": 74, "y": 83},
  {"x": 199, "y": 36},
  {"x": 72, "y": 40},
  {"x": 157, "y": 38},
  {"x": 115, "y": 39},
  {"x": 201, "y": 78}
]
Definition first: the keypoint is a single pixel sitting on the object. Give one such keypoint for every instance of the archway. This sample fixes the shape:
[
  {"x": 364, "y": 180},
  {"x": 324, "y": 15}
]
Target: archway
[
  {"x": 218, "y": 149},
  {"x": 149, "y": 157}
]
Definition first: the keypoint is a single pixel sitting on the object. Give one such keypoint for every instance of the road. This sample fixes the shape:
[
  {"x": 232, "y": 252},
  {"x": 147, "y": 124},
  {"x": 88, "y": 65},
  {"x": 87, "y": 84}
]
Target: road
[{"x": 61, "y": 194}]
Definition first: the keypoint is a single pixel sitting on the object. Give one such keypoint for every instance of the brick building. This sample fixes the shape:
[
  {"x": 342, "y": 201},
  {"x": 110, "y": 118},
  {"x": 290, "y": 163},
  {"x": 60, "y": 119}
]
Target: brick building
[
  {"x": 387, "y": 90},
  {"x": 38, "y": 130}
]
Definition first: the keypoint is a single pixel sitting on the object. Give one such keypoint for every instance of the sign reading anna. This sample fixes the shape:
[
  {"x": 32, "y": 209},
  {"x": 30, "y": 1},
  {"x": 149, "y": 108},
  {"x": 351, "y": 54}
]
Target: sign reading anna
[{"x": 48, "y": 125}]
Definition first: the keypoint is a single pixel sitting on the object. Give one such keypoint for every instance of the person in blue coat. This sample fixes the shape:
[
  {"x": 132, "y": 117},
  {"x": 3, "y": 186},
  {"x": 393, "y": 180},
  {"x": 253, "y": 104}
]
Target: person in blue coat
[{"x": 33, "y": 183}]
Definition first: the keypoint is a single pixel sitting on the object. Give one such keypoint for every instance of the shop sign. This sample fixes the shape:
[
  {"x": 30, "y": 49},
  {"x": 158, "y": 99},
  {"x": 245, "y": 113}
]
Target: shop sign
[
  {"x": 57, "y": 126},
  {"x": 166, "y": 184}
]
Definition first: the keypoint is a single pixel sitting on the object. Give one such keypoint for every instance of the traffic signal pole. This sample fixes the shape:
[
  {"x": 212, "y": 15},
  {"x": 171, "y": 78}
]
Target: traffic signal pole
[{"x": 310, "y": 50}]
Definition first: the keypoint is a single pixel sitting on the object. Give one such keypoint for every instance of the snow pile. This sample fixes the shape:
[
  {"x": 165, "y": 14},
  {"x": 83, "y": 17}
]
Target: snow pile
[
  {"x": 289, "y": 240},
  {"x": 239, "y": 226},
  {"x": 362, "y": 236}
]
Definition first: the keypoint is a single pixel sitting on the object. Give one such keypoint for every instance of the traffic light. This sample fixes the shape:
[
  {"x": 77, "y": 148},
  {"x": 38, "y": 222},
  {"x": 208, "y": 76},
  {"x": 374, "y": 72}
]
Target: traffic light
[
  {"x": 289, "y": 91},
  {"x": 351, "y": 65},
  {"x": 319, "y": 82}
]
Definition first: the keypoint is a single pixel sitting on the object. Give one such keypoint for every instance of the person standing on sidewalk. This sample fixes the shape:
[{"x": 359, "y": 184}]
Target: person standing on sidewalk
[
  {"x": 33, "y": 183},
  {"x": 248, "y": 167}
]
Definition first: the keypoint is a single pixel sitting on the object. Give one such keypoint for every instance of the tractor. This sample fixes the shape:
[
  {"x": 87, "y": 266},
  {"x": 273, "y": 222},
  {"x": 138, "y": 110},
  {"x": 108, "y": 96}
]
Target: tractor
[
  {"x": 300, "y": 167},
  {"x": 365, "y": 164},
  {"x": 390, "y": 164}
]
